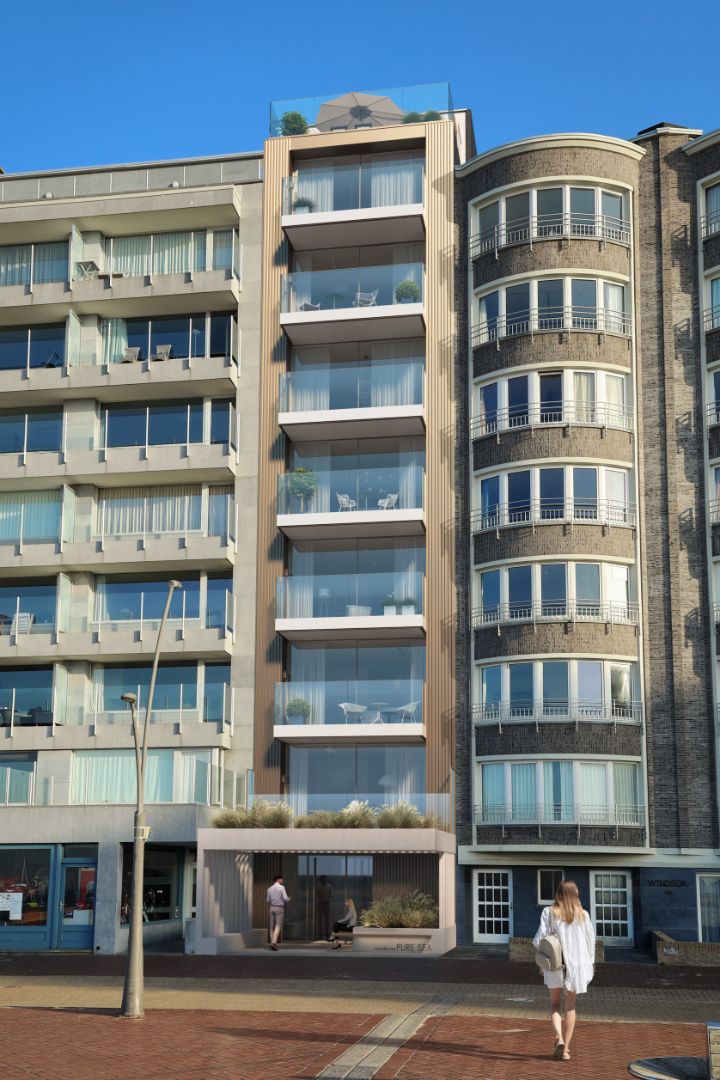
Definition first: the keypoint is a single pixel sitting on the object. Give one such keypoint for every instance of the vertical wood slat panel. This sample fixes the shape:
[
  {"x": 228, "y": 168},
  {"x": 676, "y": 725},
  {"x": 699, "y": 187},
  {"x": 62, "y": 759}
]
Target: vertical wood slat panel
[
  {"x": 440, "y": 610},
  {"x": 268, "y": 655}
]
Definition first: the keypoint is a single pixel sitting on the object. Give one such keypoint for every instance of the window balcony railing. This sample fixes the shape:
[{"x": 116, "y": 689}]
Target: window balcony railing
[
  {"x": 554, "y": 814},
  {"x": 553, "y": 712},
  {"x": 714, "y": 511},
  {"x": 35, "y": 348},
  {"x": 177, "y": 704},
  {"x": 712, "y": 414},
  {"x": 350, "y": 596},
  {"x": 556, "y": 611},
  {"x": 599, "y": 320},
  {"x": 338, "y": 491},
  {"x": 369, "y": 185},
  {"x": 710, "y": 224},
  {"x": 553, "y": 511},
  {"x": 355, "y": 288},
  {"x": 351, "y": 701},
  {"x": 142, "y": 611},
  {"x": 545, "y": 413},
  {"x": 146, "y": 426},
  {"x": 711, "y": 319},
  {"x": 381, "y": 384},
  {"x": 34, "y": 264},
  {"x": 550, "y": 227}
]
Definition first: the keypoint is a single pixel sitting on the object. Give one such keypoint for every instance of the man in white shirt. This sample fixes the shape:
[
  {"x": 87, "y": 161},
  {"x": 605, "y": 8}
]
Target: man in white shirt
[{"x": 277, "y": 899}]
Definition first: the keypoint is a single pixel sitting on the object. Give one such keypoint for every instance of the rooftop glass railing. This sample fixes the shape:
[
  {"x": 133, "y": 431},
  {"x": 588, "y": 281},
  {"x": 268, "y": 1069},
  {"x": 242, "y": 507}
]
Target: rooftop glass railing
[
  {"x": 338, "y": 491},
  {"x": 361, "y": 385},
  {"x": 348, "y": 596},
  {"x": 352, "y": 701},
  {"x": 355, "y": 288},
  {"x": 326, "y": 188},
  {"x": 360, "y": 109}
]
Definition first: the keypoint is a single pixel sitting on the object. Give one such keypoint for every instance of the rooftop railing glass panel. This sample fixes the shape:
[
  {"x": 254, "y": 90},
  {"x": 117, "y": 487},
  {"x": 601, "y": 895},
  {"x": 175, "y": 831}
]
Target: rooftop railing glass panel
[
  {"x": 431, "y": 803},
  {"x": 333, "y": 596},
  {"x": 337, "y": 491},
  {"x": 358, "y": 385},
  {"x": 328, "y": 187},
  {"x": 357, "y": 287},
  {"x": 351, "y": 701},
  {"x": 360, "y": 109}
]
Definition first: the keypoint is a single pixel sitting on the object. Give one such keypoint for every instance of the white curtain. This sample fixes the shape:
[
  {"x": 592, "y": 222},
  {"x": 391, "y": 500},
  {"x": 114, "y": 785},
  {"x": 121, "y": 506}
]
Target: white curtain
[
  {"x": 299, "y": 592},
  {"x": 614, "y": 297},
  {"x": 558, "y": 790},
  {"x": 309, "y": 381},
  {"x": 309, "y": 668},
  {"x": 394, "y": 182},
  {"x": 115, "y": 342},
  {"x": 493, "y": 792},
  {"x": 130, "y": 255},
  {"x": 220, "y": 522},
  {"x": 523, "y": 779},
  {"x": 299, "y": 760},
  {"x": 50, "y": 262},
  {"x": 712, "y": 208},
  {"x": 316, "y": 185},
  {"x": 192, "y": 775},
  {"x": 627, "y": 797},
  {"x": 178, "y": 253},
  {"x": 40, "y": 512},
  {"x": 592, "y": 794},
  {"x": 615, "y": 398},
  {"x": 108, "y": 776},
  {"x": 15, "y": 264},
  {"x": 403, "y": 763},
  {"x": 132, "y": 511},
  {"x": 394, "y": 380},
  {"x": 222, "y": 249},
  {"x": 584, "y": 394}
]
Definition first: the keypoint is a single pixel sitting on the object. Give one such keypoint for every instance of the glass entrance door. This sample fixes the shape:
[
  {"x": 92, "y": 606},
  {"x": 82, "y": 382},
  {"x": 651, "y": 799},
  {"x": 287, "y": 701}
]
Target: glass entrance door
[
  {"x": 611, "y": 906},
  {"x": 76, "y": 921},
  {"x": 493, "y": 906},
  {"x": 708, "y": 886},
  {"x": 324, "y": 883}
]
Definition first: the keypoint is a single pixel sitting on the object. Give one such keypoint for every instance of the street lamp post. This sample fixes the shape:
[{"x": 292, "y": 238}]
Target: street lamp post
[{"x": 133, "y": 990}]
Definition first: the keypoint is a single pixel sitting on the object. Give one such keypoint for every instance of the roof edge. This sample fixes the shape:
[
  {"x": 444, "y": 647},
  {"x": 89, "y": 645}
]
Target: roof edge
[
  {"x": 549, "y": 142},
  {"x": 703, "y": 142},
  {"x": 124, "y": 166}
]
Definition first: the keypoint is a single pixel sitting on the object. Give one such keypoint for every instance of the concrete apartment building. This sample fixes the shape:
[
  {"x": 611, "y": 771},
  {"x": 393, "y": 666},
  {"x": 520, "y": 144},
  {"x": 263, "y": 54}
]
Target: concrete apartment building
[
  {"x": 129, "y": 349},
  {"x": 438, "y": 436}
]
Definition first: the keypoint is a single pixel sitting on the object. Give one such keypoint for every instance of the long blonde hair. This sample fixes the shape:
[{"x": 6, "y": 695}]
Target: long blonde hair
[{"x": 567, "y": 904}]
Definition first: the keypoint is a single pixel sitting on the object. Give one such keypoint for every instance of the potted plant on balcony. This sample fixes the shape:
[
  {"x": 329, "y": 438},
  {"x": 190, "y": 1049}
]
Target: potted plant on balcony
[
  {"x": 408, "y": 605},
  {"x": 302, "y": 484},
  {"x": 390, "y": 605},
  {"x": 303, "y": 205},
  {"x": 407, "y": 292},
  {"x": 297, "y": 711}
]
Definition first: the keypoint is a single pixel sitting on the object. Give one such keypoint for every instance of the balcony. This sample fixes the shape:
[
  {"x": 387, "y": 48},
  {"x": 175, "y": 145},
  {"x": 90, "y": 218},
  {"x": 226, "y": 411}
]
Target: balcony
[
  {"x": 566, "y": 413},
  {"x": 571, "y": 611},
  {"x": 553, "y": 320},
  {"x": 348, "y": 503},
  {"x": 532, "y": 512},
  {"x": 434, "y": 804},
  {"x": 364, "y": 399},
  {"x": 574, "y": 225},
  {"x": 27, "y": 699},
  {"x": 379, "y": 201},
  {"x": 353, "y": 606},
  {"x": 711, "y": 318},
  {"x": 355, "y": 304},
  {"x": 538, "y": 713},
  {"x": 360, "y": 710},
  {"x": 710, "y": 224}
]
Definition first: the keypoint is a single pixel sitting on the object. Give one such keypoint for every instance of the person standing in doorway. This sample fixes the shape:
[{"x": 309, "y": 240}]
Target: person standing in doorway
[
  {"x": 324, "y": 893},
  {"x": 567, "y": 919},
  {"x": 277, "y": 900}
]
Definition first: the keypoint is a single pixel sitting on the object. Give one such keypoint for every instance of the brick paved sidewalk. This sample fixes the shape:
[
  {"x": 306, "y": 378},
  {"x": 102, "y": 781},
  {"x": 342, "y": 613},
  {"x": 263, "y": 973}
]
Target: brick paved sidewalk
[
  {"x": 174, "y": 1045},
  {"x": 490, "y": 1049}
]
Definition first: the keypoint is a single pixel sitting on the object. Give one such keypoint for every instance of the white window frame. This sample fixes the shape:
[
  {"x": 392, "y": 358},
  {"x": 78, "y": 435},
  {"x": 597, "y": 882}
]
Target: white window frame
[{"x": 545, "y": 900}]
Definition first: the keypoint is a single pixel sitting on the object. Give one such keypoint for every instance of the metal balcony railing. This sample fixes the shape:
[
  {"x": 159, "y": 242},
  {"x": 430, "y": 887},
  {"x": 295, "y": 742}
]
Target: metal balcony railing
[
  {"x": 714, "y": 511},
  {"x": 710, "y": 224},
  {"x": 712, "y": 414},
  {"x": 555, "y": 611},
  {"x": 556, "y": 814},
  {"x": 542, "y": 413},
  {"x": 553, "y": 511},
  {"x": 711, "y": 318},
  {"x": 599, "y": 320},
  {"x": 551, "y": 227},
  {"x": 553, "y": 712}
]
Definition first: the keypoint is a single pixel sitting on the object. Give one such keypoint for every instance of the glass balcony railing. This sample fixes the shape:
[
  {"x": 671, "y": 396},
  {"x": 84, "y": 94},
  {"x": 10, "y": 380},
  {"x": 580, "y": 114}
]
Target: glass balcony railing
[
  {"x": 128, "y": 607},
  {"x": 348, "y": 596},
  {"x": 337, "y": 491},
  {"x": 326, "y": 188},
  {"x": 355, "y": 288},
  {"x": 372, "y": 385},
  {"x": 435, "y": 804},
  {"x": 351, "y": 701},
  {"x": 26, "y": 697},
  {"x": 360, "y": 109},
  {"x": 29, "y": 610}
]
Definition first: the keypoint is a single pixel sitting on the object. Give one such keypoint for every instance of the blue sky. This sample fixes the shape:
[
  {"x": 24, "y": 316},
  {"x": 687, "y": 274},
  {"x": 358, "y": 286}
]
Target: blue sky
[{"x": 135, "y": 80}]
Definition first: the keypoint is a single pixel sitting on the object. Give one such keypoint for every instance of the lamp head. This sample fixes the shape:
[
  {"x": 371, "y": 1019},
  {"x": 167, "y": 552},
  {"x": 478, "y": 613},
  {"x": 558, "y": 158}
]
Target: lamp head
[
  {"x": 131, "y": 699},
  {"x": 175, "y": 584}
]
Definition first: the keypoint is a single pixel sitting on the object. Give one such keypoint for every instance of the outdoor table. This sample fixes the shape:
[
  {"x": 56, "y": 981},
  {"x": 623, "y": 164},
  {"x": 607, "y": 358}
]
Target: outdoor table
[{"x": 378, "y": 706}]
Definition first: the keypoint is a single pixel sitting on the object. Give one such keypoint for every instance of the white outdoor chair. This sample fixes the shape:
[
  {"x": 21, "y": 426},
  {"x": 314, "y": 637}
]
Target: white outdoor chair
[
  {"x": 307, "y": 306},
  {"x": 345, "y": 502},
  {"x": 406, "y": 712},
  {"x": 389, "y": 502},
  {"x": 353, "y": 713},
  {"x": 21, "y": 623},
  {"x": 366, "y": 299},
  {"x": 162, "y": 352},
  {"x": 131, "y": 355}
]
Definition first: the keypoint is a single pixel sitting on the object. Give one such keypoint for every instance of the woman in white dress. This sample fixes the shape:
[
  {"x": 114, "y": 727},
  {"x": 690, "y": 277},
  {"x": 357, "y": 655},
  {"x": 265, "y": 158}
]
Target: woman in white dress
[{"x": 567, "y": 919}]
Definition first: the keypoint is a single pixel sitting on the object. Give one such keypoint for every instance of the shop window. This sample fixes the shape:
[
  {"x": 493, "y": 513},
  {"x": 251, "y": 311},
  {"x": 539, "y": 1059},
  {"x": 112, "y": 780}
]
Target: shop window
[
  {"x": 547, "y": 883},
  {"x": 24, "y": 884}
]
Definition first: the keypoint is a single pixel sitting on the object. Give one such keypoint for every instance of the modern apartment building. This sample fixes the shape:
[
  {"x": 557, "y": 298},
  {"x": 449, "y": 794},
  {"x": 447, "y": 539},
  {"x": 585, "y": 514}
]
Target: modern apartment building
[
  {"x": 587, "y": 705},
  {"x": 129, "y": 347}
]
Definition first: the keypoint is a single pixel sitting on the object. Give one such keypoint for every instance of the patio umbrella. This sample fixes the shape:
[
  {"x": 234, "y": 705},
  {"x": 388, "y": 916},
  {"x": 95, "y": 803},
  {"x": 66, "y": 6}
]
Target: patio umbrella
[{"x": 358, "y": 110}]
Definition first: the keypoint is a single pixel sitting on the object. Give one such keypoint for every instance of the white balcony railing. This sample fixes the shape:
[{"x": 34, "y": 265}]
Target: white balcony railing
[
  {"x": 556, "y": 611},
  {"x": 710, "y": 224},
  {"x": 551, "y": 227},
  {"x": 572, "y": 814},
  {"x": 596, "y": 320},
  {"x": 553, "y": 512},
  {"x": 714, "y": 511},
  {"x": 547, "y": 413},
  {"x": 711, "y": 318},
  {"x": 554, "y": 712}
]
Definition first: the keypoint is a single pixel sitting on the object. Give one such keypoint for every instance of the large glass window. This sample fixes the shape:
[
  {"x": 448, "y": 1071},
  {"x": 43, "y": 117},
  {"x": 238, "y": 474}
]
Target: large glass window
[
  {"x": 520, "y": 592},
  {"x": 491, "y": 688},
  {"x": 587, "y": 589},
  {"x": 518, "y": 485},
  {"x": 37, "y": 429},
  {"x": 517, "y": 308},
  {"x": 521, "y": 689},
  {"x": 523, "y": 785},
  {"x": 215, "y": 698},
  {"x": 39, "y": 346},
  {"x": 26, "y": 696},
  {"x": 493, "y": 792},
  {"x": 582, "y": 211},
  {"x": 489, "y": 406},
  {"x": 558, "y": 788},
  {"x": 555, "y": 687},
  {"x": 549, "y": 211},
  {"x": 517, "y": 388},
  {"x": 490, "y": 500},
  {"x": 16, "y": 777},
  {"x": 160, "y": 424},
  {"x": 161, "y": 884},
  {"x": 40, "y": 263},
  {"x": 553, "y": 589},
  {"x": 583, "y": 294},
  {"x": 329, "y": 777},
  {"x": 119, "y": 599},
  {"x": 550, "y": 304},
  {"x": 585, "y": 503},
  {"x": 590, "y": 687},
  {"x": 490, "y": 594},
  {"x": 517, "y": 217},
  {"x": 712, "y": 210},
  {"x": 176, "y": 686},
  {"x": 28, "y": 608},
  {"x": 489, "y": 310},
  {"x": 488, "y": 221},
  {"x": 592, "y": 791},
  {"x": 551, "y": 399},
  {"x": 25, "y": 874},
  {"x": 552, "y": 493}
]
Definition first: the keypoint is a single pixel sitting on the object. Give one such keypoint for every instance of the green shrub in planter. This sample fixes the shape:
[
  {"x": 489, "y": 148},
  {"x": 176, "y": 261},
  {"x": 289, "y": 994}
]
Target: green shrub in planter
[
  {"x": 413, "y": 910},
  {"x": 302, "y": 483},
  {"x": 318, "y": 819},
  {"x": 432, "y": 114},
  {"x": 412, "y": 118},
  {"x": 303, "y": 203},
  {"x": 261, "y": 815},
  {"x": 407, "y": 292},
  {"x": 297, "y": 710},
  {"x": 293, "y": 123},
  {"x": 358, "y": 815}
]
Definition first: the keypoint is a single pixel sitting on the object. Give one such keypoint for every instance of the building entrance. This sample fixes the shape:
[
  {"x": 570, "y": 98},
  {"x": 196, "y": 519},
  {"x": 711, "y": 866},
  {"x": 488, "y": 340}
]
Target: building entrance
[{"x": 324, "y": 883}]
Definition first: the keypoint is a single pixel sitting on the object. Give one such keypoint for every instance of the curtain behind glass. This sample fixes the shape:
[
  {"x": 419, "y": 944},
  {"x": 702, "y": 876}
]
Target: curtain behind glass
[
  {"x": 222, "y": 249},
  {"x": 712, "y": 208},
  {"x": 115, "y": 341},
  {"x": 584, "y": 393},
  {"x": 219, "y": 523},
  {"x": 592, "y": 795},
  {"x": 15, "y": 264},
  {"x": 40, "y": 511},
  {"x": 493, "y": 792},
  {"x": 316, "y": 185},
  {"x": 393, "y": 382},
  {"x": 130, "y": 255},
  {"x": 402, "y": 762},
  {"x": 627, "y": 797},
  {"x": 50, "y": 262},
  {"x": 299, "y": 761},
  {"x": 108, "y": 776},
  {"x": 558, "y": 790},
  {"x": 178, "y": 253},
  {"x": 133, "y": 511},
  {"x": 524, "y": 791},
  {"x": 393, "y": 182}
]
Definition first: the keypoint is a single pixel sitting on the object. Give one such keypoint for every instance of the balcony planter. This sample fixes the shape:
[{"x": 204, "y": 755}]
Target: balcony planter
[
  {"x": 358, "y": 610},
  {"x": 407, "y": 292},
  {"x": 297, "y": 711},
  {"x": 303, "y": 205},
  {"x": 390, "y": 607},
  {"x": 302, "y": 485},
  {"x": 408, "y": 606}
]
